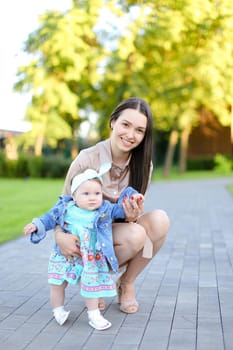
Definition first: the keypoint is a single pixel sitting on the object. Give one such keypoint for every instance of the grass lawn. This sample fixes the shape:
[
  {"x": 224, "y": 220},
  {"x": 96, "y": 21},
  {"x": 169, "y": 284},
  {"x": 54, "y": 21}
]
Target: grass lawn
[
  {"x": 189, "y": 175},
  {"x": 23, "y": 199}
]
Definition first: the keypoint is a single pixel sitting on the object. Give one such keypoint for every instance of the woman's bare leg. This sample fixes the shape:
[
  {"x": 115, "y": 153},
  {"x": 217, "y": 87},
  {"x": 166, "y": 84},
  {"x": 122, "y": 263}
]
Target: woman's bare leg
[
  {"x": 128, "y": 240},
  {"x": 155, "y": 224}
]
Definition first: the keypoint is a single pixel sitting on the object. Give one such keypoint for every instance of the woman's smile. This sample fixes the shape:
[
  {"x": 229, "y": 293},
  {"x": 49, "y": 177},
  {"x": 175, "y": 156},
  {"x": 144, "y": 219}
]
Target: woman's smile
[{"x": 126, "y": 142}]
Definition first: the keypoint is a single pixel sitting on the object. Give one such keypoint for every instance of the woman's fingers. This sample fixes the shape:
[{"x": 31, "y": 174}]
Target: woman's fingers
[
  {"x": 68, "y": 244},
  {"x": 140, "y": 202},
  {"x": 137, "y": 204},
  {"x": 131, "y": 209}
]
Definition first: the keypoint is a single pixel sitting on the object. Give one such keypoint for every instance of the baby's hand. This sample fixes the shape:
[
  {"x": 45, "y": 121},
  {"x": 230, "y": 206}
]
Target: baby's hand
[{"x": 29, "y": 228}]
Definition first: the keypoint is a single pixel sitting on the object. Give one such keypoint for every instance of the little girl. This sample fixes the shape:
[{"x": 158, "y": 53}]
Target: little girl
[{"x": 88, "y": 216}]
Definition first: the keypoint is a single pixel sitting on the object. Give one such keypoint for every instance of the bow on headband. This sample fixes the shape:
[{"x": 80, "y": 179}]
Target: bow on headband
[{"x": 89, "y": 174}]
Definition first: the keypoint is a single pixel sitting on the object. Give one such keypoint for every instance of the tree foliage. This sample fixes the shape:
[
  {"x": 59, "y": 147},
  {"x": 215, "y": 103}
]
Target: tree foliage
[
  {"x": 61, "y": 73},
  {"x": 176, "y": 54}
]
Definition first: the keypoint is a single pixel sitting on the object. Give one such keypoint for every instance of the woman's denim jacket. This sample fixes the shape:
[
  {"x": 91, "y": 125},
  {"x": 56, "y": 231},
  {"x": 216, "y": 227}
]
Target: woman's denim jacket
[{"x": 106, "y": 214}]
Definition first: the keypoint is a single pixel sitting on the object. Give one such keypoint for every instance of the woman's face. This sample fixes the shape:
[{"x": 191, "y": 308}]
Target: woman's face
[{"x": 128, "y": 130}]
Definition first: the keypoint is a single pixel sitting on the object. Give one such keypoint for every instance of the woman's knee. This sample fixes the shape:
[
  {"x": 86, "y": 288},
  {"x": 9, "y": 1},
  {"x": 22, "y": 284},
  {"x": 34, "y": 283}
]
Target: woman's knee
[
  {"x": 135, "y": 238},
  {"x": 161, "y": 219},
  {"x": 156, "y": 224}
]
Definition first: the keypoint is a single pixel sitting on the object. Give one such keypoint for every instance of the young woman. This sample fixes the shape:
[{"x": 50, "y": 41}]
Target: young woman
[{"x": 141, "y": 235}]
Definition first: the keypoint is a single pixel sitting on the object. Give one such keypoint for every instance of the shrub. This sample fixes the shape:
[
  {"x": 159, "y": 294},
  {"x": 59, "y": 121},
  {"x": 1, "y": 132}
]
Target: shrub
[
  {"x": 10, "y": 168},
  {"x": 223, "y": 163},
  {"x": 35, "y": 165},
  {"x": 2, "y": 164},
  {"x": 202, "y": 163},
  {"x": 55, "y": 166},
  {"x": 22, "y": 167}
]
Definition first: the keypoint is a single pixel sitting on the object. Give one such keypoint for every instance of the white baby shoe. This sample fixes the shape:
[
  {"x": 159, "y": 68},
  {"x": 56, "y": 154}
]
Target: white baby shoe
[
  {"x": 60, "y": 315},
  {"x": 97, "y": 321}
]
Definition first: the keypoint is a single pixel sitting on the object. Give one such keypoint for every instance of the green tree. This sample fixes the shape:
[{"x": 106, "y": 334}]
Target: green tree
[
  {"x": 178, "y": 55},
  {"x": 61, "y": 74}
]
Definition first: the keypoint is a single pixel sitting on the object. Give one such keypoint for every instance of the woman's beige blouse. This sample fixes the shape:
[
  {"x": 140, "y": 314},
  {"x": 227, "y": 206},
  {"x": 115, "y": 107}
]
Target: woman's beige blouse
[{"x": 114, "y": 181}]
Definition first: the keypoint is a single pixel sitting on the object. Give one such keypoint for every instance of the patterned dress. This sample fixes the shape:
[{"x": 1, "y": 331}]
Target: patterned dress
[{"x": 92, "y": 270}]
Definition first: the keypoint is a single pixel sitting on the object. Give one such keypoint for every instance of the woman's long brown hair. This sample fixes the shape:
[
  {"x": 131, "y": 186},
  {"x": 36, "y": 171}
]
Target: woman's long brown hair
[{"x": 141, "y": 157}]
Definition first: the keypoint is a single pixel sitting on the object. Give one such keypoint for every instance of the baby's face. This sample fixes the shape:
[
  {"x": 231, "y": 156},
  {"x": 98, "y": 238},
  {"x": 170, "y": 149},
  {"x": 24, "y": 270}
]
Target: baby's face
[{"x": 89, "y": 195}]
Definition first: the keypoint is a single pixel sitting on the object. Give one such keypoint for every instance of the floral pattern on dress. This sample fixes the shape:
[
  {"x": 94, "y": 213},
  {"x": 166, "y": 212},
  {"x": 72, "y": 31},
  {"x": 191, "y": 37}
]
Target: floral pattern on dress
[{"x": 92, "y": 270}]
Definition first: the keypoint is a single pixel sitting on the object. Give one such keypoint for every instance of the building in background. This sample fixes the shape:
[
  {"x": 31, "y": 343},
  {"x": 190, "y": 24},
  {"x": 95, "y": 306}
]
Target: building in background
[{"x": 8, "y": 131}]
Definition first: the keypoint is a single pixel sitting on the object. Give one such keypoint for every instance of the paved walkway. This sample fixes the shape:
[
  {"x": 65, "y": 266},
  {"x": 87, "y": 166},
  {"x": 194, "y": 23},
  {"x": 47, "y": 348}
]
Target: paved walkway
[{"x": 185, "y": 294}]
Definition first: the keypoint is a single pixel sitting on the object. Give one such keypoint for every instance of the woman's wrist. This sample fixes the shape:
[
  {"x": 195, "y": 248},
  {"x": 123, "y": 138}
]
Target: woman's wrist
[
  {"x": 131, "y": 220},
  {"x": 58, "y": 232}
]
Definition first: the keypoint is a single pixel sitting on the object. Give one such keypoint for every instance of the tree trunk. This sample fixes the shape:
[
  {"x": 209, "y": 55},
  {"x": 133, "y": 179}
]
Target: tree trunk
[
  {"x": 11, "y": 147},
  {"x": 74, "y": 147},
  {"x": 40, "y": 138},
  {"x": 184, "y": 149},
  {"x": 39, "y": 145},
  {"x": 173, "y": 139}
]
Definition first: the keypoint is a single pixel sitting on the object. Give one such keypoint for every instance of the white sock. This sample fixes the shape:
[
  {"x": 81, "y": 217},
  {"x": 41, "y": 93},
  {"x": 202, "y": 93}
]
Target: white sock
[
  {"x": 60, "y": 314},
  {"x": 93, "y": 313},
  {"x": 97, "y": 321},
  {"x": 59, "y": 309}
]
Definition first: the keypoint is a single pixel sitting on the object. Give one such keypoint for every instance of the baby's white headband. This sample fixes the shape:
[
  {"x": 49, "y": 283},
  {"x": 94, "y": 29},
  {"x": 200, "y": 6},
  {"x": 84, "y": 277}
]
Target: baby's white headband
[{"x": 89, "y": 174}]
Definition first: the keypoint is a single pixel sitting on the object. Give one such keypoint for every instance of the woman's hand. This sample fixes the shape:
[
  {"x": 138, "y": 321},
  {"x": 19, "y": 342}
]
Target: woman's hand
[
  {"x": 133, "y": 207},
  {"x": 68, "y": 243}
]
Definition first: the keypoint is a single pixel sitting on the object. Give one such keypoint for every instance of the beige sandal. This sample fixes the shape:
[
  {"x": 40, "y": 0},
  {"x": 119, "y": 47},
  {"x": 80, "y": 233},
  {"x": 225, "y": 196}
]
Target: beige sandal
[{"x": 127, "y": 306}]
